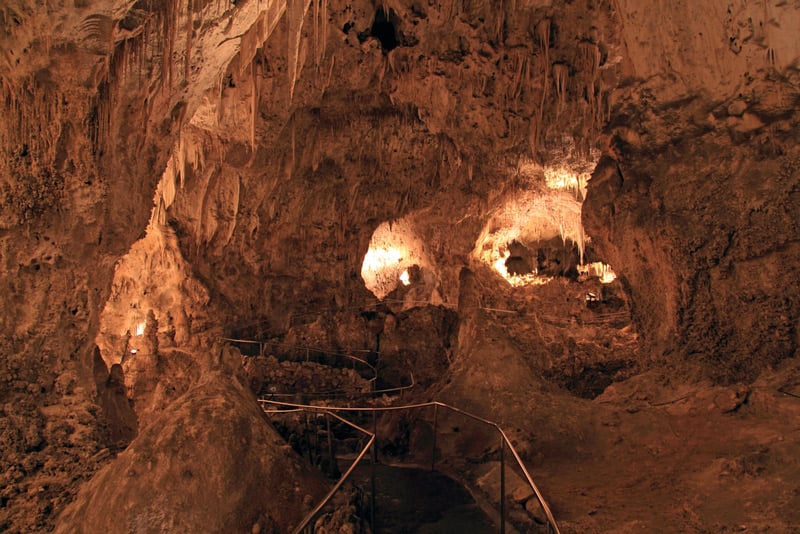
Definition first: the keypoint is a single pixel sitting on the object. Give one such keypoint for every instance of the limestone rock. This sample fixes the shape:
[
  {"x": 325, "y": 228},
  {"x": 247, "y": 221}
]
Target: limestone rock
[{"x": 200, "y": 466}]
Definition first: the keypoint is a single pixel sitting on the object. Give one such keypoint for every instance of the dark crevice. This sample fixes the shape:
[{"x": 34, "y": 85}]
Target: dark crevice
[{"x": 384, "y": 29}]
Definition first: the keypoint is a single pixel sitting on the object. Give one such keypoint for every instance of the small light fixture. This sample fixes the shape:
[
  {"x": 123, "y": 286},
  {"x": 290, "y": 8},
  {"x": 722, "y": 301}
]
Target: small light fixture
[{"x": 405, "y": 278}]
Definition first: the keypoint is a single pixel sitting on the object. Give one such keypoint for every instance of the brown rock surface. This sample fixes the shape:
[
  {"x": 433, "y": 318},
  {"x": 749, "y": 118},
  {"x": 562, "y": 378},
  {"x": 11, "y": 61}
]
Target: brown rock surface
[
  {"x": 202, "y": 465},
  {"x": 209, "y": 167}
]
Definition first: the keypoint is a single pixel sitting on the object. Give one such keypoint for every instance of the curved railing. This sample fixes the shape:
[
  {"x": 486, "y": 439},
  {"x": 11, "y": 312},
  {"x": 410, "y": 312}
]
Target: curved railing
[
  {"x": 307, "y": 523},
  {"x": 288, "y": 407},
  {"x": 505, "y": 442},
  {"x": 605, "y": 318}
]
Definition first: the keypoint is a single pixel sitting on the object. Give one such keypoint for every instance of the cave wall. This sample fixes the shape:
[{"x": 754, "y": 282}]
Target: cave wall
[
  {"x": 87, "y": 116},
  {"x": 270, "y": 139},
  {"x": 695, "y": 200}
]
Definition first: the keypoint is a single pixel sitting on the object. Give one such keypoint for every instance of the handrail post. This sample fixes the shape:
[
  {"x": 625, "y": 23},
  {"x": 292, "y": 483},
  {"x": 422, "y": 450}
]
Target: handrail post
[
  {"x": 317, "y": 448},
  {"x": 333, "y": 466},
  {"x": 372, "y": 484},
  {"x": 433, "y": 448},
  {"x": 374, "y": 461},
  {"x": 552, "y": 525},
  {"x": 307, "y": 437},
  {"x": 502, "y": 486},
  {"x": 374, "y": 420}
]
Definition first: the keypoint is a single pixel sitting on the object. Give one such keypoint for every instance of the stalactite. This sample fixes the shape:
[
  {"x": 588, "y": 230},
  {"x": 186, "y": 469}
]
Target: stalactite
[
  {"x": 770, "y": 54},
  {"x": 324, "y": 20},
  {"x": 255, "y": 37},
  {"x": 543, "y": 38},
  {"x": 123, "y": 61},
  {"x": 296, "y": 12},
  {"x": 294, "y": 159},
  {"x": 34, "y": 116},
  {"x": 589, "y": 64},
  {"x": 341, "y": 232},
  {"x": 187, "y": 59},
  {"x": 253, "y": 105},
  {"x": 143, "y": 52},
  {"x": 315, "y": 30},
  {"x": 179, "y": 158},
  {"x": 561, "y": 78},
  {"x": 520, "y": 69},
  {"x": 234, "y": 204},
  {"x": 104, "y": 115},
  {"x": 168, "y": 190},
  {"x": 320, "y": 22},
  {"x": 169, "y": 30},
  {"x": 329, "y": 77},
  {"x": 220, "y": 85},
  {"x": 501, "y": 20}
]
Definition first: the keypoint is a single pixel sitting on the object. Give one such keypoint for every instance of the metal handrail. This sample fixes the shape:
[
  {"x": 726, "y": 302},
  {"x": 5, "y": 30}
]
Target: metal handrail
[
  {"x": 310, "y": 516},
  {"x": 606, "y": 318},
  {"x": 366, "y": 305},
  {"x": 371, "y": 305},
  {"x": 529, "y": 479}
]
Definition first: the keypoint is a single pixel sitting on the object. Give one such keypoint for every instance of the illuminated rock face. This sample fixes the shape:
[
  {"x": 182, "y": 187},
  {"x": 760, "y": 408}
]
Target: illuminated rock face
[
  {"x": 227, "y": 164},
  {"x": 393, "y": 250},
  {"x": 548, "y": 208}
]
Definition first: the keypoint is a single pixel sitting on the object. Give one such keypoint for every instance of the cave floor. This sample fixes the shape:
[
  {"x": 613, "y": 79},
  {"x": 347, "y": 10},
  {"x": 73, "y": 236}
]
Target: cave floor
[
  {"x": 655, "y": 451},
  {"x": 667, "y": 457}
]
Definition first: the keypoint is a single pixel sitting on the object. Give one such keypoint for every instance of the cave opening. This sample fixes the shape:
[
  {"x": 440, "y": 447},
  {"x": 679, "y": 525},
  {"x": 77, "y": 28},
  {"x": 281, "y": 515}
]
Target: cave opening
[
  {"x": 383, "y": 29},
  {"x": 536, "y": 234},
  {"x": 517, "y": 265},
  {"x": 396, "y": 258}
]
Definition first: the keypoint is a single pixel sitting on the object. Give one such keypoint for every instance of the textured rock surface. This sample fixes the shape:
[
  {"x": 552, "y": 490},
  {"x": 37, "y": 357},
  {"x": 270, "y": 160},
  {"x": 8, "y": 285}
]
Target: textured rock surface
[
  {"x": 207, "y": 167},
  {"x": 202, "y": 465},
  {"x": 696, "y": 199}
]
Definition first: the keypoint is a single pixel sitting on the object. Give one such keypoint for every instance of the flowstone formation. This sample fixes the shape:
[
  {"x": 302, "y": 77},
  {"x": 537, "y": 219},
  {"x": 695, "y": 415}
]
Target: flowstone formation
[{"x": 533, "y": 203}]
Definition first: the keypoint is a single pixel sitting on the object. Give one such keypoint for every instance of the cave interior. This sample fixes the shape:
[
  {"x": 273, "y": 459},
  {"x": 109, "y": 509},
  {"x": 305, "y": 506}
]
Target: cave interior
[{"x": 534, "y": 260}]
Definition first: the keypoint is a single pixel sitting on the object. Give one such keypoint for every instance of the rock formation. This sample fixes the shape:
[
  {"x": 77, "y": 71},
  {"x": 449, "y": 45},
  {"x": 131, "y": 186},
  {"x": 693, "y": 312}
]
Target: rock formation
[
  {"x": 203, "y": 465},
  {"x": 175, "y": 172}
]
